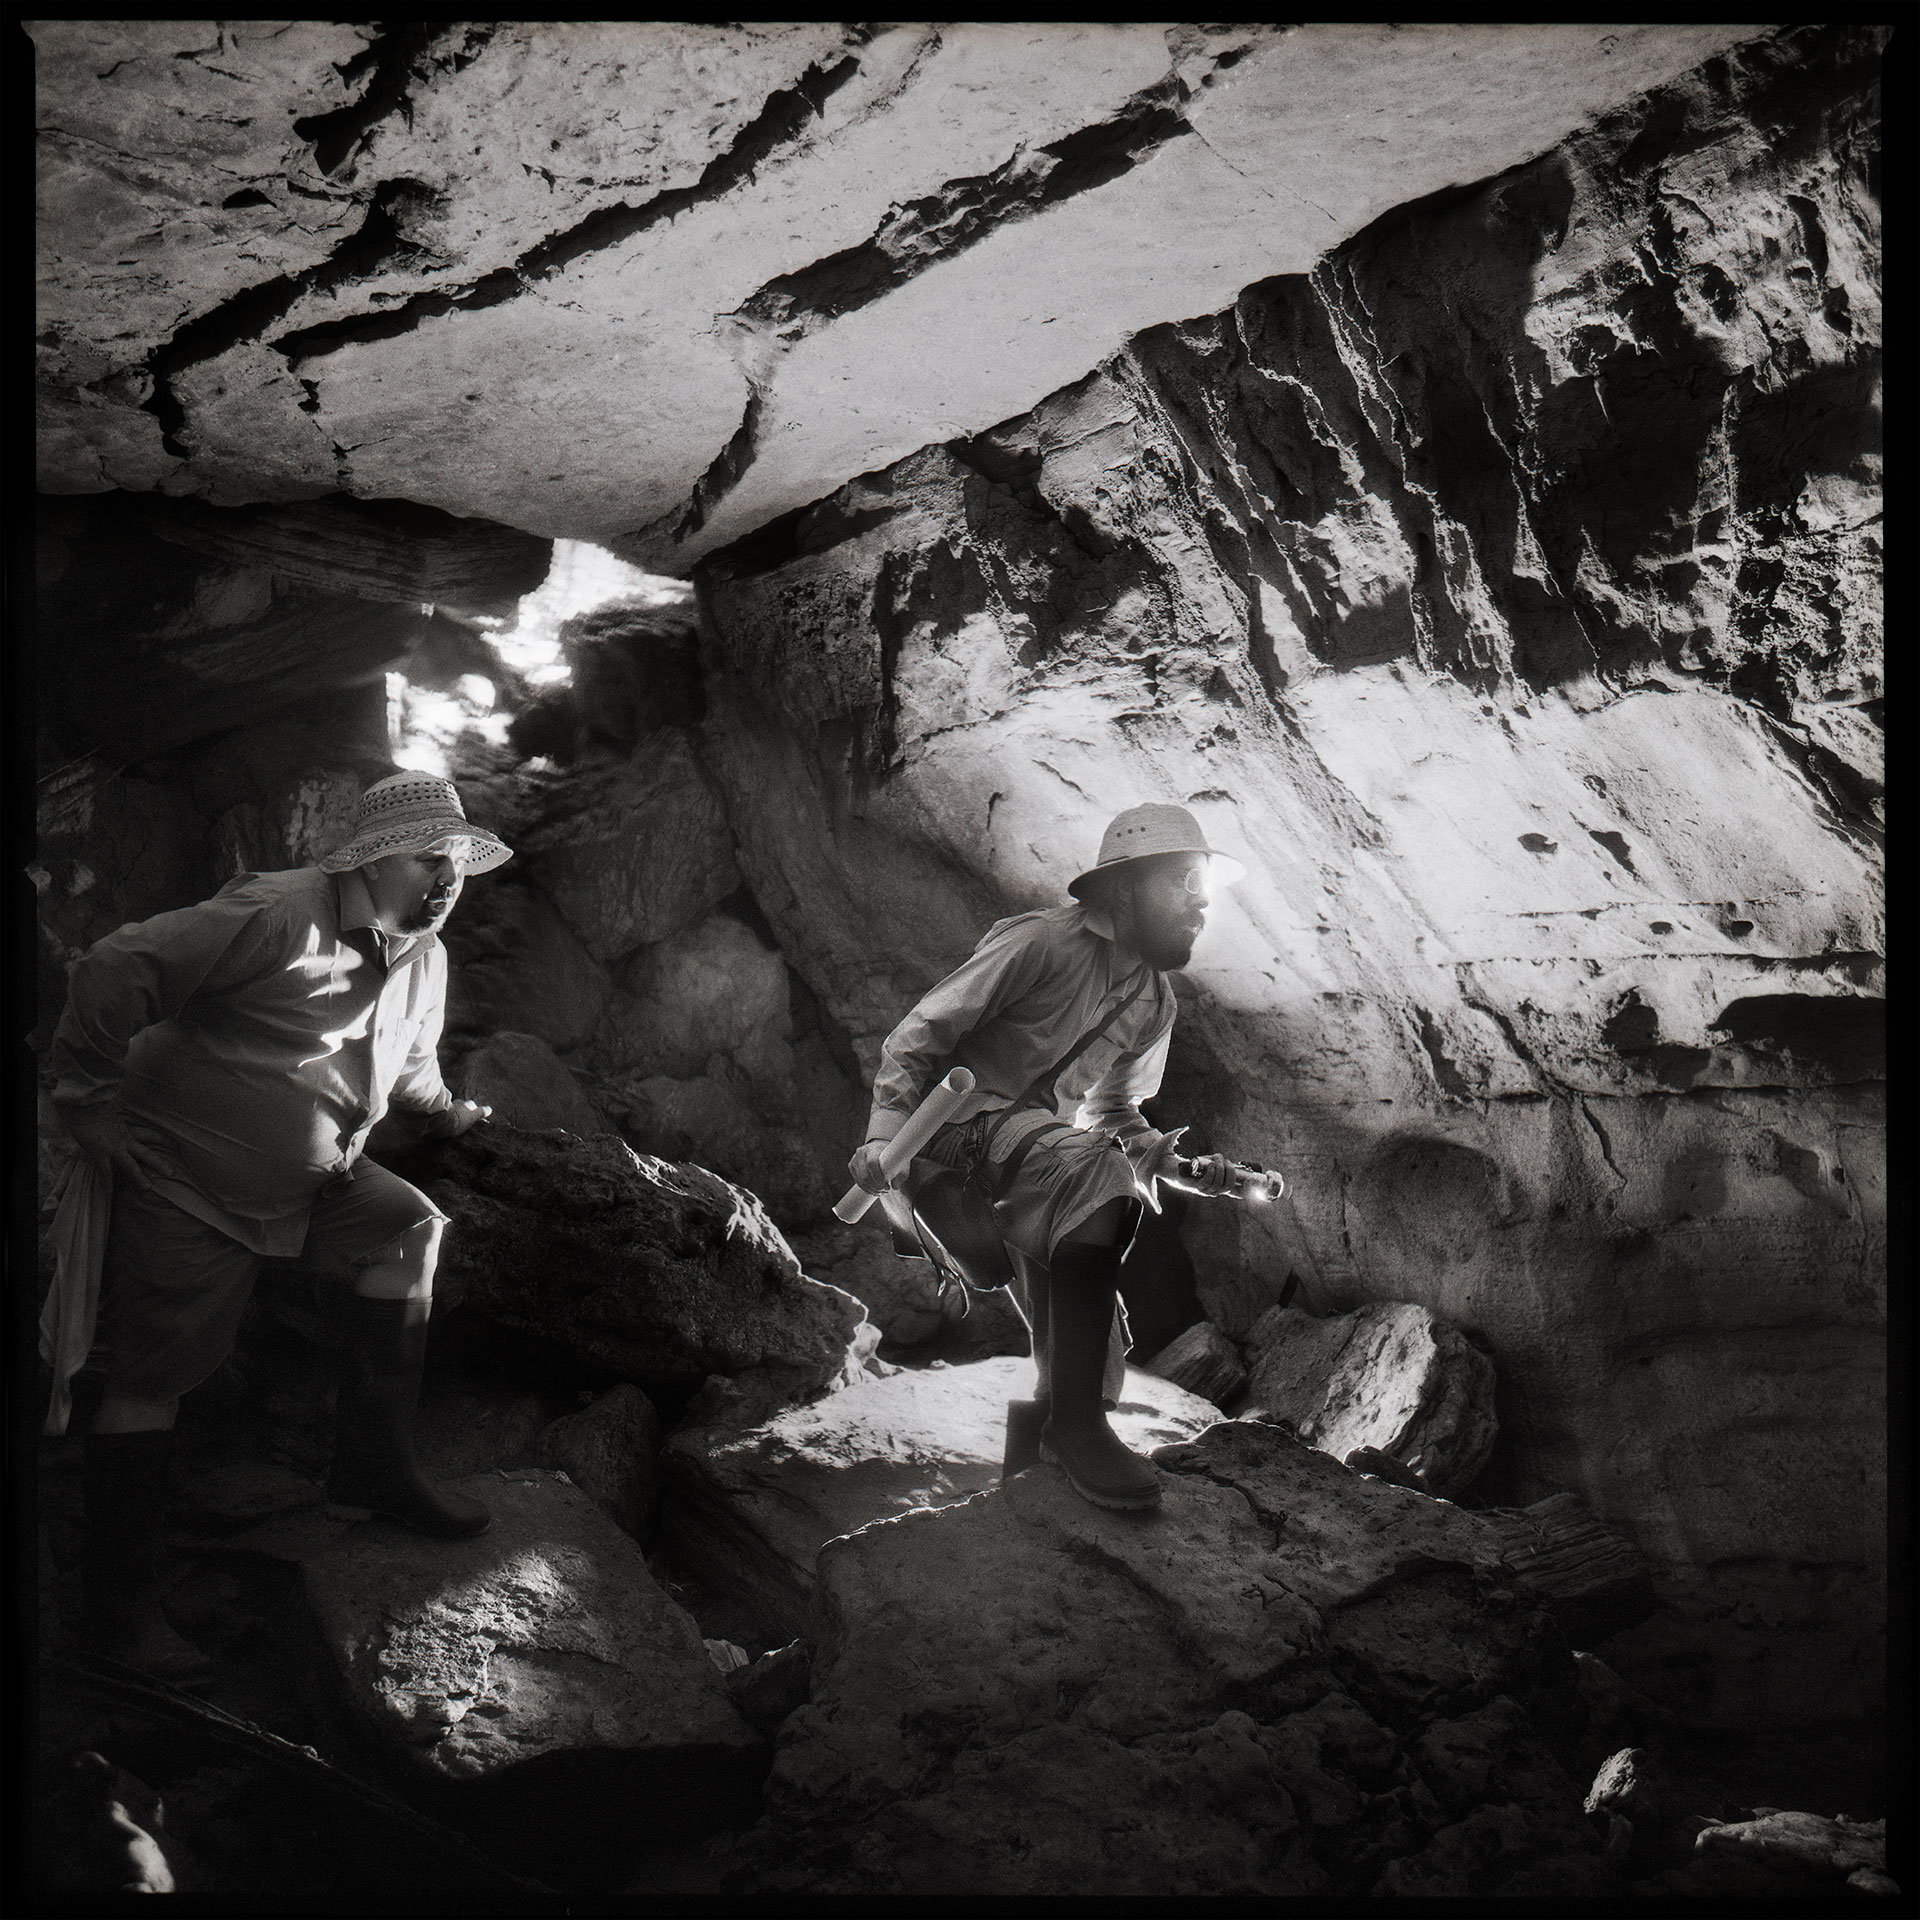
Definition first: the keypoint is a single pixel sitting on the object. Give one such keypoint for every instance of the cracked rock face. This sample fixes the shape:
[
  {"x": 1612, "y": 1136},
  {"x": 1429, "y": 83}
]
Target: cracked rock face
[
  {"x": 1289, "y": 1680},
  {"x": 620, "y": 280},
  {"x": 1503, "y": 593},
  {"x": 1497, "y": 576},
  {"x": 748, "y": 1510}
]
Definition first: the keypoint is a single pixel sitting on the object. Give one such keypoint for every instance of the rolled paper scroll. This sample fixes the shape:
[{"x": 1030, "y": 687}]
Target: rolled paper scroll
[{"x": 925, "y": 1121}]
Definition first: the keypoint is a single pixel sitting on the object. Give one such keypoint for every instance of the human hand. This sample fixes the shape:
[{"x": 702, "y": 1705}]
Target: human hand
[
  {"x": 867, "y": 1167},
  {"x": 110, "y": 1141},
  {"x": 1210, "y": 1173},
  {"x": 464, "y": 1114}
]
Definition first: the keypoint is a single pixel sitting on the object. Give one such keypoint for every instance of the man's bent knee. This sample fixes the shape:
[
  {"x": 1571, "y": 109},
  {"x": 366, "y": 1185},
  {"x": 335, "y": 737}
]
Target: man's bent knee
[
  {"x": 1111, "y": 1225},
  {"x": 402, "y": 1269}
]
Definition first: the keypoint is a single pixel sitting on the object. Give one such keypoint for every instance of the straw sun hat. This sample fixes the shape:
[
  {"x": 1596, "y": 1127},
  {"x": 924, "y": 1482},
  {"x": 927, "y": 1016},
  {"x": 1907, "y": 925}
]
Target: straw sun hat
[{"x": 410, "y": 812}]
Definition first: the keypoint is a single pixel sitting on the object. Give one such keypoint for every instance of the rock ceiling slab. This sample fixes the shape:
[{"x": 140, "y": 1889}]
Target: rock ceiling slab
[{"x": 654, "y": 284}]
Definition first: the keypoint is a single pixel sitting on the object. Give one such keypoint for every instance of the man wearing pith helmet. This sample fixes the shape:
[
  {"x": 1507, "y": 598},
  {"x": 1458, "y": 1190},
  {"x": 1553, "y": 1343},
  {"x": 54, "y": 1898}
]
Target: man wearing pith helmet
[
  {"x": 1063, "y": 1017},
  {"x": 228, "y": 1061}
]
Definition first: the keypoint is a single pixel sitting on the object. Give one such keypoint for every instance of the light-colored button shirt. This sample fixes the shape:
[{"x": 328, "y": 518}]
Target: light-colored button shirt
[
  {"x": 256, "y": 1039},
  {"x": 1035, "y": 984}
]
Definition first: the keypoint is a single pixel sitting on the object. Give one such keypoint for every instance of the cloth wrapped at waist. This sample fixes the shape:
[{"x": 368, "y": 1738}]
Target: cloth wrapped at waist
[{"x": 1023, "y": 1179}]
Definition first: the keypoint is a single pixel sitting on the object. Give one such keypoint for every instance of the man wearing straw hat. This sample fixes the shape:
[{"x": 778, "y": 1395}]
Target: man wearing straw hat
[
  {"x": 227, "y": 1062},
  {"x": 1063, "y": 1017}
]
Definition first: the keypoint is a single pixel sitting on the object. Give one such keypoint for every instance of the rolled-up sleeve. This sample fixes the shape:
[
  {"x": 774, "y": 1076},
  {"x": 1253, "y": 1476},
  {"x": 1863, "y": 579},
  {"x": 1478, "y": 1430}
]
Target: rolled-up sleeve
[
  {"x": 144, "y": 973},
  {"x": 1001, "y": 969}
]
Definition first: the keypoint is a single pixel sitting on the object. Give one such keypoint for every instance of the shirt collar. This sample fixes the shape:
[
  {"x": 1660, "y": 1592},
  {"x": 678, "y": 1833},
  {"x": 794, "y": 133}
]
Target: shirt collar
[{"x": 355, "y": 902}]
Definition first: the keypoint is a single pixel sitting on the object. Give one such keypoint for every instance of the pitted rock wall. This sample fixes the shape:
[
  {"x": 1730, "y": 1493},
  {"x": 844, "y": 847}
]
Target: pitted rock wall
[{"x": 1504, "y": 592}]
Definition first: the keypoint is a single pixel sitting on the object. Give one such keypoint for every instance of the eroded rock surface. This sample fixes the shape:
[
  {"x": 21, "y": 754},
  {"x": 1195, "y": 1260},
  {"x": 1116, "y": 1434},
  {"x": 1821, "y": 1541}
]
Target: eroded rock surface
[
  {"x": 1204, "y": 1361},
  {"x": 607, "y": 1450},
  {"x": 639, "y": 263},
  {"x": 1386, "y": 1376},
  {"x": 748, "y": 1509},
  {"x": 545, "y": 1636},
  {"x": 526, "y": 1084},
  {"x": 631, "y": 1267},
  {"x": 1479, "y": 590},
  {"x": 1023, "y": 1694}
]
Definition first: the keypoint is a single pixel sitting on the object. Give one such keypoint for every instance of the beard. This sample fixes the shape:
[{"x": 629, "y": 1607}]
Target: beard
[{"x": 1165, "y": 940}]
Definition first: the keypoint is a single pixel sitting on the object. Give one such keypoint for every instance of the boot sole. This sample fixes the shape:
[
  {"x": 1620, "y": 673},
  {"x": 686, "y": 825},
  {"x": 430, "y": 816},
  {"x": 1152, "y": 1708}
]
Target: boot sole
[{"x": 1113, "y": 1502}]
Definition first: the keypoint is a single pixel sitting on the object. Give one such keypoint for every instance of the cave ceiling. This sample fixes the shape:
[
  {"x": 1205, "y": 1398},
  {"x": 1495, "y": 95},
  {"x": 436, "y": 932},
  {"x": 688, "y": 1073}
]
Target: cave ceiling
[{"x": 654, "y": 284}]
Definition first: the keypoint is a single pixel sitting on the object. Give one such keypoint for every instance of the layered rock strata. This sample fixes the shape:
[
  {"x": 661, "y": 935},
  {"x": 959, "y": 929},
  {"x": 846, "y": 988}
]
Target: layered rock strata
[{"x": 617, "y": 279}]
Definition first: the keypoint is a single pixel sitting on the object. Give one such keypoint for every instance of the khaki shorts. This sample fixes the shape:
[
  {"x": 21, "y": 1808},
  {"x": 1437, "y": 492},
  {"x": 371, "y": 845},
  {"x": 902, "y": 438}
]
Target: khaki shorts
[{"x": 174, "y": 1288}]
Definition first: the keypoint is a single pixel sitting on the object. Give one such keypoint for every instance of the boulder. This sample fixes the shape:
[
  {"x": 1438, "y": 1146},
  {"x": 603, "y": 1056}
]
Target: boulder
[
  {"x": 766, "y": 1690},
  {"x": 517, "y": 966},
  {"x": 1282, "y": 1680},
  {"x": 748, "y": 1509},
  {"x": 526, "y": 1084},
  {"x": 747, "y": 1131},
  {"x": 1598, "y": 1583},
  {"x": 1631, "y": 1803},
  {"x": 546, "y": 1636},
  {"x": 629, "y": 1268},
  {"x": 643, "y": 852},
  {"x": 1204, "y": 1361},
  {"x": 901, "y": 1297},
  {"x": 607, "y": 1450},
  {"x": 1780, "y": 1855},
  {"x": 1388, "y": 1375},
  {"x": 1839, "y": 1847},
  {"x": 714, "y": 987}
]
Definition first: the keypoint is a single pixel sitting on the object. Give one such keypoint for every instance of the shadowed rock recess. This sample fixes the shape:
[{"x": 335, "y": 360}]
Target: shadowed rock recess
[{"x": 1446, "y": 459}]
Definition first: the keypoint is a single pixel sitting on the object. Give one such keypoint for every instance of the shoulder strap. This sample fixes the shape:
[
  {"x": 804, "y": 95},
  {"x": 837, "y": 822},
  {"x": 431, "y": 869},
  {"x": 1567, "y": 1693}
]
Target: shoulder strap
[{"x": 1044, "y": 1085}]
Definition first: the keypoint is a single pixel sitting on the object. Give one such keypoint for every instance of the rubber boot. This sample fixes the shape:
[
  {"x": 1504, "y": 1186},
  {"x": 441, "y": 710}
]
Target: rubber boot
[
  {"x": 1025, "y": 1418},
  {"x": 1076, "y": 1437},
  {"x": 123, "y": 1480},
  {"x": 374, "y": 1470}
]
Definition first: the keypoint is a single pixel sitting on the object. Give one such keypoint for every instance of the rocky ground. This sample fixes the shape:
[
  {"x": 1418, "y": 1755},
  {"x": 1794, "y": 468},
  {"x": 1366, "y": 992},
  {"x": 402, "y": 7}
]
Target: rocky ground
[{"x": 757, "y": 1618}]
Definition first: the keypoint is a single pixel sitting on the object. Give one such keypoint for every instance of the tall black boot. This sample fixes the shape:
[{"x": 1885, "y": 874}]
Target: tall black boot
[
  {"x": 123, "y": 1484},
  {"x": 1076, "y": 1437},
  {"x": 374, "y": 1470},
  {"x": 1025, "y": 1419}
]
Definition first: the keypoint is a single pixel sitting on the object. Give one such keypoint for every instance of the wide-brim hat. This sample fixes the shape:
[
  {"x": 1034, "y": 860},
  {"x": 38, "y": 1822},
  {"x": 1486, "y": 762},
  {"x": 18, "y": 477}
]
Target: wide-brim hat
[
  {"x": 1157, "y": 827},
  {"x": 410, "y": 812}
]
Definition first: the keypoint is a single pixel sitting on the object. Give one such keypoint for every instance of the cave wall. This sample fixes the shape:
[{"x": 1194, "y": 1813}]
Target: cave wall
[{"x": 1505, "y": 592}]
